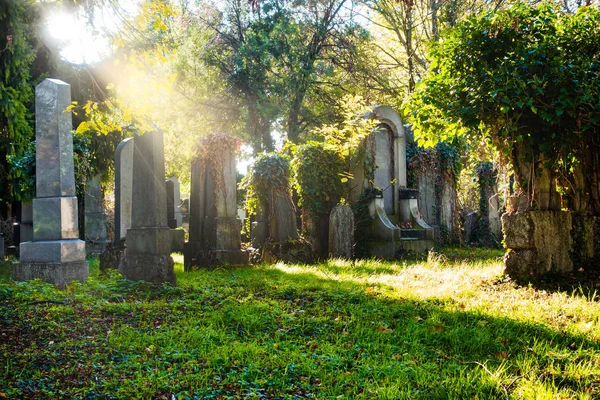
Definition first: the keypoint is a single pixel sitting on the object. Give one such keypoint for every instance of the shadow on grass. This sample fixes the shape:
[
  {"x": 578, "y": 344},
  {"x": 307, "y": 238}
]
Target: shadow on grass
[{"x": 266, "y": 333}]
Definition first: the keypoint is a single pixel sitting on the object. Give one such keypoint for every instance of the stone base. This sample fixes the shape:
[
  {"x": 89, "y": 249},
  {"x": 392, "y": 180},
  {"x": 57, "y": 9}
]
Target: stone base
[
  {"x": 53, "y": 251},
  {"x": 57, "y": 274},
  {"x": 233, "y": 257},
  {"x": 154, "y": 268},
  {"x": 177, "y": 240},
  {"x": 94, "y": 248}
]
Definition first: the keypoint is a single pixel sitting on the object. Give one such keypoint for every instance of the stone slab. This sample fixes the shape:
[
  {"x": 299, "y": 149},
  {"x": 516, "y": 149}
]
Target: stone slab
[
  {"x": 55, "y": 175},
  {"x": 55, "y": 218},
  {"x": 53, "y": 251},
  {"x": 57, "y": 274},
  {"x": 123, "y": 187},
  {"x": 149, "y": 240},
  {"x": 341, "y": 232},
  {"x": 149, "y": 190}
]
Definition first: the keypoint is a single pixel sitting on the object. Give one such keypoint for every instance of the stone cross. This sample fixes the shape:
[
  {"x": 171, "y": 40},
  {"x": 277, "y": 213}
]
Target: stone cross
[
  {"x": 147, "y": 253},
  {"x": 123, "y": 187},
  {"x": 55, "y": 255}
]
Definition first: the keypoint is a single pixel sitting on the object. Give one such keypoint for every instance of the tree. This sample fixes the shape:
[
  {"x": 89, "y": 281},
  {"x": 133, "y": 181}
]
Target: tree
[
  {"x": 16, "y": 87},
  {"x": 527, "y": 80}
]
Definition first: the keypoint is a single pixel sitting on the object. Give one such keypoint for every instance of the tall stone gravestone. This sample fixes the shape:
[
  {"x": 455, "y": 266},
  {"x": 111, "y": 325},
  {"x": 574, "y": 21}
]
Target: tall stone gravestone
[
  {"x": 55, "y": 255},
  {"x": 123, "y": 188},
  {"x": 147, "y": 253},
  {"x": 214, "y": 227},
  {"x": 95, "y": 219}
]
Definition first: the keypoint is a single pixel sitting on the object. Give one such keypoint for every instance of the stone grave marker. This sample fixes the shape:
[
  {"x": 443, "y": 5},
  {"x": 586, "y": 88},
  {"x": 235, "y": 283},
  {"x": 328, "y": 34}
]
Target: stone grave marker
[
  {"x": 55, "y": 255},
  {"x": 341, "y": 232},
  {"x": 147, "y": 253},
  {"x": 95, "y": 219}
]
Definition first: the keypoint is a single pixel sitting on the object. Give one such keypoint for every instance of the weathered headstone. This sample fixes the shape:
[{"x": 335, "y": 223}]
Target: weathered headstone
[
  {"x": 95, "y": 219},
  {"x": 177, "y": 200},
  {"x": 341, "y": 232},
  {"x": 147, "y": 253},
  {"x": 123, "y": 187},
  {"x": 56, "y": 255},
  {"x": 170, "y": 187},
  {"x": 214, "y": 227},
  {"x": 26, "y": 225}
]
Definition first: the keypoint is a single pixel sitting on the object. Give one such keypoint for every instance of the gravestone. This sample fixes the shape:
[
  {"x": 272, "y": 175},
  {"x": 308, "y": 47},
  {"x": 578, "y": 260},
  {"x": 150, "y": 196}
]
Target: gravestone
[
  {"x": 26, "y": 225},
  {"x": 341, "y": 232},
  {"x": 95, "y": 219},
  {"x": 123, "y": 187},
  {"x": 176, "y": 201},
  {"x": 214, "y": 228},
  {"x": 147, "y": 253},
  {"x": 55, "y": 255},
  {"x": 171, "y": 221},
  {"x": 2, "y": 247}
]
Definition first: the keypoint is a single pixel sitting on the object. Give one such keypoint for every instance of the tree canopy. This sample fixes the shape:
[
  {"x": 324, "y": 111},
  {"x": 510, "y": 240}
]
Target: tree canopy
[{"x": 525, "y": 79}]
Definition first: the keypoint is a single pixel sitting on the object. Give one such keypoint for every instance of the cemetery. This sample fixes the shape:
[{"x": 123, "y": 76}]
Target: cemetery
[{"x": 187, "y": 218}]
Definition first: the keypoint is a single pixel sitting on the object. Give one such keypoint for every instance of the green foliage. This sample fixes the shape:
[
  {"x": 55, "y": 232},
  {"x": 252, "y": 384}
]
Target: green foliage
[
  {"x": 434, "y": 329},
  {"x": 527, "y": 75},
  {"x": 317, "y": 171},
  {"x": 16, "y": 89},
  {"x": 268, "y": 177}
]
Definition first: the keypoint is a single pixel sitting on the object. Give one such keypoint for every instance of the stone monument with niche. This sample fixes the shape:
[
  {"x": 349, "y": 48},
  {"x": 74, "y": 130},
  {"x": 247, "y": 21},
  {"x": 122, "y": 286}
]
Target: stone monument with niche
[
  {"x": 147, "y": 253},
  {"x": 123, "y": 187},
  {"x": 55, "y": 255}
]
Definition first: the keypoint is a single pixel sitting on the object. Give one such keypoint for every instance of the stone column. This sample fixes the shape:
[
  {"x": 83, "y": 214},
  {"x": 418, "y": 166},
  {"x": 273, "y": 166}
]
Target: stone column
[
  {"x": 56, "y": 255},
  {"x": 123, "y": 188},
  {"x": 147, "y": 254},
  {"x": 95, "y": 219}
]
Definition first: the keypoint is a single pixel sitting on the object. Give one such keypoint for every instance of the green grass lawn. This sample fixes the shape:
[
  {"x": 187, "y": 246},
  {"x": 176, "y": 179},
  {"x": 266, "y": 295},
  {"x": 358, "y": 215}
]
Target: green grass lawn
[{"x": 448, "y": 327}]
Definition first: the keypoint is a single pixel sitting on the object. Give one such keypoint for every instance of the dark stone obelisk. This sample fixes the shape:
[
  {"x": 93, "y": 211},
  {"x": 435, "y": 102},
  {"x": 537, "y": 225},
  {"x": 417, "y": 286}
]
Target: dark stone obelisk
[
  {"x": 55, "y": 255},
  {"x": 148, "y": 246}
]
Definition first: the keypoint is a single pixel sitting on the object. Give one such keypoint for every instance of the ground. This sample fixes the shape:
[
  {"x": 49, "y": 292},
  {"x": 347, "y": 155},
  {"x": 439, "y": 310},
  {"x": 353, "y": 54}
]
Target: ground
[{"x": 450, "y": 326}]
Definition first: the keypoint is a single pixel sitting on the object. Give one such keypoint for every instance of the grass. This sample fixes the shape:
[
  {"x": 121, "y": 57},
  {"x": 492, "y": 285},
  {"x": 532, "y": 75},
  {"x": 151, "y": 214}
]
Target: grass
[{"x": 449, "y": 327}]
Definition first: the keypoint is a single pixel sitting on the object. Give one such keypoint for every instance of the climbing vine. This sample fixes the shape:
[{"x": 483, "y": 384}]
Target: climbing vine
[
  {"x": 213, "y": 149},
  {"x": 317, "y": 170},
  {"x": 268, "y": 177}
]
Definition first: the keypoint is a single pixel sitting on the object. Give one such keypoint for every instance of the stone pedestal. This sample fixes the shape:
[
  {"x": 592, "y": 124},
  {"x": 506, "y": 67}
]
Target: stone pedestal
[
  {"x": 148, "y": 246},
  {"x": 55, "y": 255}
]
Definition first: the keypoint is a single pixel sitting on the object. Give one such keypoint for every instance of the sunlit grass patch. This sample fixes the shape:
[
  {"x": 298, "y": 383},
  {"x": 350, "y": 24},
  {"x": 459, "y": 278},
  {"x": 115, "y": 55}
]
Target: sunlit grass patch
[{"x": 449, "y": 326}]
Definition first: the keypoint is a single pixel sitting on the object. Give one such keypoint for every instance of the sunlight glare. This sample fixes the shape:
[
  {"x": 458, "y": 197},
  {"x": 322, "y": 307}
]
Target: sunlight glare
[{"x": 80, "y": 43}]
